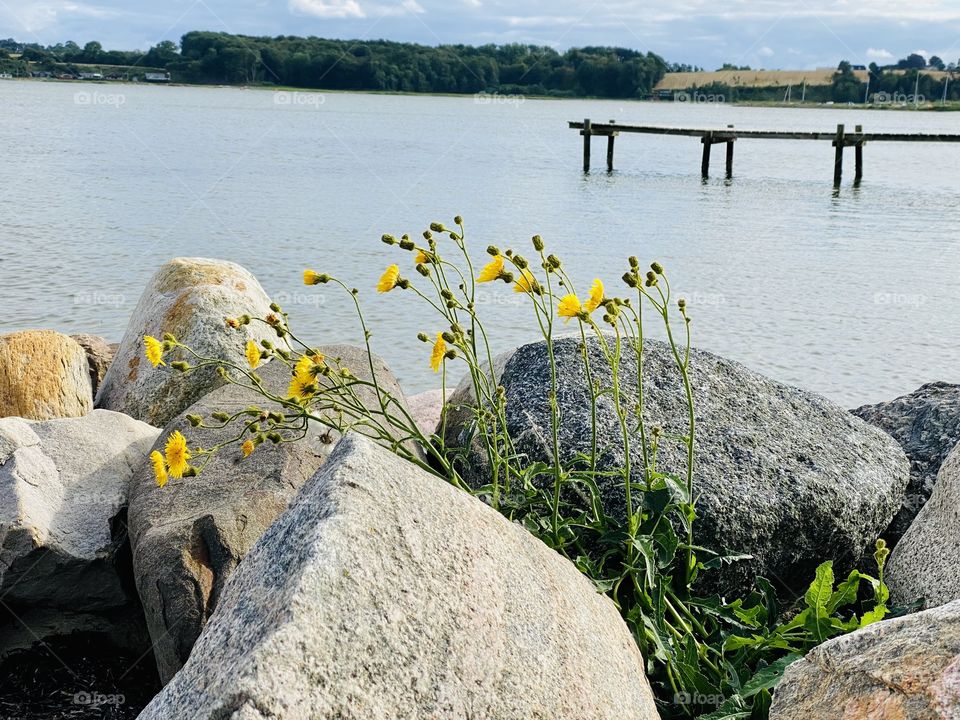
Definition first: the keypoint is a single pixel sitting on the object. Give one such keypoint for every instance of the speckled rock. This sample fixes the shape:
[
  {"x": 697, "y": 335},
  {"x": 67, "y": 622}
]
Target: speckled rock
[
  {"x": 383, "y": 592},
  {"x": 43, "y": 375},
  {"x": 189, "y": 537},
  {"x": 902, "y": 669},
  {"x": 99, "y": 356},
  {"x": 927, "y": 424},
  {"x": 63, "y": 493},
  {"x": 188, "y": 298},
  {"x": 425, "y": 408},
  {"x": 781, "y": 474},
  {"x": 924, "y": 562}
]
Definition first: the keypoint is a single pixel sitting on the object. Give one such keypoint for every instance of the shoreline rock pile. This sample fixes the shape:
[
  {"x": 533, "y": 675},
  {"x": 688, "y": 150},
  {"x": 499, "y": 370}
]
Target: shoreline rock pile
[{"x": 330, "y": 578}]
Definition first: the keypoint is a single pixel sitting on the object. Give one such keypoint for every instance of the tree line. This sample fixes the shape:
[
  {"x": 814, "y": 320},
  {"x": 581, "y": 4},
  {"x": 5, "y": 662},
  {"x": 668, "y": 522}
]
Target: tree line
[{"x": 212, "y": 57}]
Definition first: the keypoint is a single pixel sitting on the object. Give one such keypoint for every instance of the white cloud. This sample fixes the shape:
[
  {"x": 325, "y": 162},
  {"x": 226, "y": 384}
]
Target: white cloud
[
  {"x": 765, "y": 51},
  {"x": 921, "y": 52},
  {"x": 328, "y": 8},
  {"x": 406, "y": 7},
  {"x": 36, "y": 16},
  {"x": 879, "y": 54}
]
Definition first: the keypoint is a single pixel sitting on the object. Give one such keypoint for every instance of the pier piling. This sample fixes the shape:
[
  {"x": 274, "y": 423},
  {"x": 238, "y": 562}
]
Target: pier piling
[
  {"x": 838, "y": 157},
  {"x": 587, "y": 131},
  {"x": 707, "y": 141},
  {"x": 858, "y": 154},
  {"x": 610, "y": 139}
]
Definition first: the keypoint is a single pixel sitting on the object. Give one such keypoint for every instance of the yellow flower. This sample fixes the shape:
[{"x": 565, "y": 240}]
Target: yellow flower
[
  {"x": 310, "y": 277},
  {"x": 492, "y": 270},
  {"x": 526, "y": 283},
  {"x": 154, "y": 349},
  {"x": 303, "y": 383},
  {"x": 177, "y": 454},
  {"x": 596, "y": 297},
  {"x": 159, "y": 468},
  {"x": 247, "y": 448},
  {"x": 439, "y": 350},
  {"x": 422, "y": 258},
  {"x": 388, "y": 281},
  {"x": 569, "y": 306},
  {"x": 253, "y": 354}
]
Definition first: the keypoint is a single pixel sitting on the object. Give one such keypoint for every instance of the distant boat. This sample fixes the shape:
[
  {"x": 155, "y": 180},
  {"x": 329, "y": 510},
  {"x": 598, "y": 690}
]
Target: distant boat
[{"x": 156, "y": 77}]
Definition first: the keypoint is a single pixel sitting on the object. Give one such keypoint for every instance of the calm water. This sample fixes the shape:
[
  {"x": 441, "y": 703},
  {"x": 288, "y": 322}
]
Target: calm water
[{"x": 856, "y": 295}]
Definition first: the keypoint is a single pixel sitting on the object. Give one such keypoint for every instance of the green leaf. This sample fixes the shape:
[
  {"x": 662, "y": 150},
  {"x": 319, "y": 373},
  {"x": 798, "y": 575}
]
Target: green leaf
[
  {"x": 769, "y": 677},
  {"x": 821, "y": 589},
  {"x": 846, "y": 593},
  {"x": 872, "y": 616},
  {"x": 644, "y": 546}
]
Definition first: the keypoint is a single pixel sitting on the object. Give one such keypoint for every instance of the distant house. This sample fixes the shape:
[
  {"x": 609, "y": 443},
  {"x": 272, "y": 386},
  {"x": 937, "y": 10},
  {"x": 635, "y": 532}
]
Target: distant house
[
  {"x": 91, "y": 76},
  {"x": 156, "y": 77}
]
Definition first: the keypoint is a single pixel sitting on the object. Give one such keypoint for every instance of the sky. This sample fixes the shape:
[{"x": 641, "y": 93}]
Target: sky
[{"x": 785, "y": 34}]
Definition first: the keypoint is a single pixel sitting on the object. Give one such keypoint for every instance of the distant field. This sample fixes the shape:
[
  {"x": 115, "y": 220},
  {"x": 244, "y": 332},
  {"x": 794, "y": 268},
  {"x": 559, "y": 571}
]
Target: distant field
[{"x": 759, "y": 78}]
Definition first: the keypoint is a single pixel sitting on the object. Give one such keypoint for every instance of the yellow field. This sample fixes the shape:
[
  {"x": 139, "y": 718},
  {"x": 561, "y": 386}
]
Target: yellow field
[{"x": 761, "y": 78}]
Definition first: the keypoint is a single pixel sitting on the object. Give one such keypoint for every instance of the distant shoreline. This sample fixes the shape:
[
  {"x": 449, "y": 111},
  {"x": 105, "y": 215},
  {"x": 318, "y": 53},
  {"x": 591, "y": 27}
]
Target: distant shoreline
[{"x": 951, "y": 106}]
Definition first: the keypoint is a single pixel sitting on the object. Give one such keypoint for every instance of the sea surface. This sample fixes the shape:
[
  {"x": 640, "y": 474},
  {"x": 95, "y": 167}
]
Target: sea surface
[{"x": 853, "y": 294}]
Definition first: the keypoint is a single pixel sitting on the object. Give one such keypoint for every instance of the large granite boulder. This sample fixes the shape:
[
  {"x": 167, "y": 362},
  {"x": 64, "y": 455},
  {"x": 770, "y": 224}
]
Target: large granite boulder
[
  {"x": 926, "y": 423},
  {"x": 64, "y": 564},
  {"x": 781, "y": 474},
  {"x": 99, "y": 356},
  {"x": 384, "y": 592},
  {"x": 924, "y": 562},
  {"x": 43, "y": 375},
  {"x": 907, "y": 668},
  {"x": 189, "y": 537},
  {"x": 188, "y": 298}
]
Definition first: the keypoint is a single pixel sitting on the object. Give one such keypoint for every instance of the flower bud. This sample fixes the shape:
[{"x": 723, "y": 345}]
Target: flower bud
[
  {"x": 220, "y": 416},
  {"x": 493, "y": 250},
  {"x": 389, "y": 239},
  {"x": 180, "y": 366},
  {"x": 458, "y": 220},
  {"x": 448, "y": 337},
  {"x": 657, "y": 268},
  {"x": 407, "y": 245},
  {"x": 422, "y": 337},
  {"x": 538, "y": 243},
  {"x": 630, "y": 279},
  {"x": 194, "y": 420},
  {"x": 437, "y": 227}
]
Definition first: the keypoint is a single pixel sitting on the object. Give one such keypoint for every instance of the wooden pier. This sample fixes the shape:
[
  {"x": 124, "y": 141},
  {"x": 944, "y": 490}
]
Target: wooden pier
[{"x": 840, "y": 139}]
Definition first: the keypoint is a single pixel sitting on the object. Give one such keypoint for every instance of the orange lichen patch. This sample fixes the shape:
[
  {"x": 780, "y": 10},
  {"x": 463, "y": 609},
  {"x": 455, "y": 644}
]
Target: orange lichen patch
[
  {"x": 134, "y": 366},
  {"x": 878, "y": 705},
  {"x": 240, "y": 285},
  {"x": 43, "y": 375},
  {"x": 182, "y": 273},
  {"x": 178, "y": 317}
]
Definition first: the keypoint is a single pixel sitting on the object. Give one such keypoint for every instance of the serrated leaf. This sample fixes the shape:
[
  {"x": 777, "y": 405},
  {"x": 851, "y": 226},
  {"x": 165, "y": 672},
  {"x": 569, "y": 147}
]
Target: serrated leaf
[
  {"x": 768, "y": 677},
  {"x": 872, "y": 616}
]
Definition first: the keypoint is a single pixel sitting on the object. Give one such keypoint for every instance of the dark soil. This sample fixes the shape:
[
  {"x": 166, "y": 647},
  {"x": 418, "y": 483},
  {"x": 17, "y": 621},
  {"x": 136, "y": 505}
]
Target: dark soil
[{"x": 75, "y": 678}]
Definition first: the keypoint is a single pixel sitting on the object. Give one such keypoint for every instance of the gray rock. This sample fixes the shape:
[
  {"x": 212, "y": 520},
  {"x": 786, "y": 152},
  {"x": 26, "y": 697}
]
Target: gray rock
[
  {"x": 189, "y": 537},
  {"x": 63, "y": 494},
  {"x": 383, "y": 592},
  {"x": 924, "y": 562},
  {"x": 780, "y": 473},
  {"x": 907, "y": 668},
  {"x": 99, "y": 356},
  {"x": 43, "y": 375},
  {"x": 926, "y": 423},
  {"x": 188, "y": 298}
]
